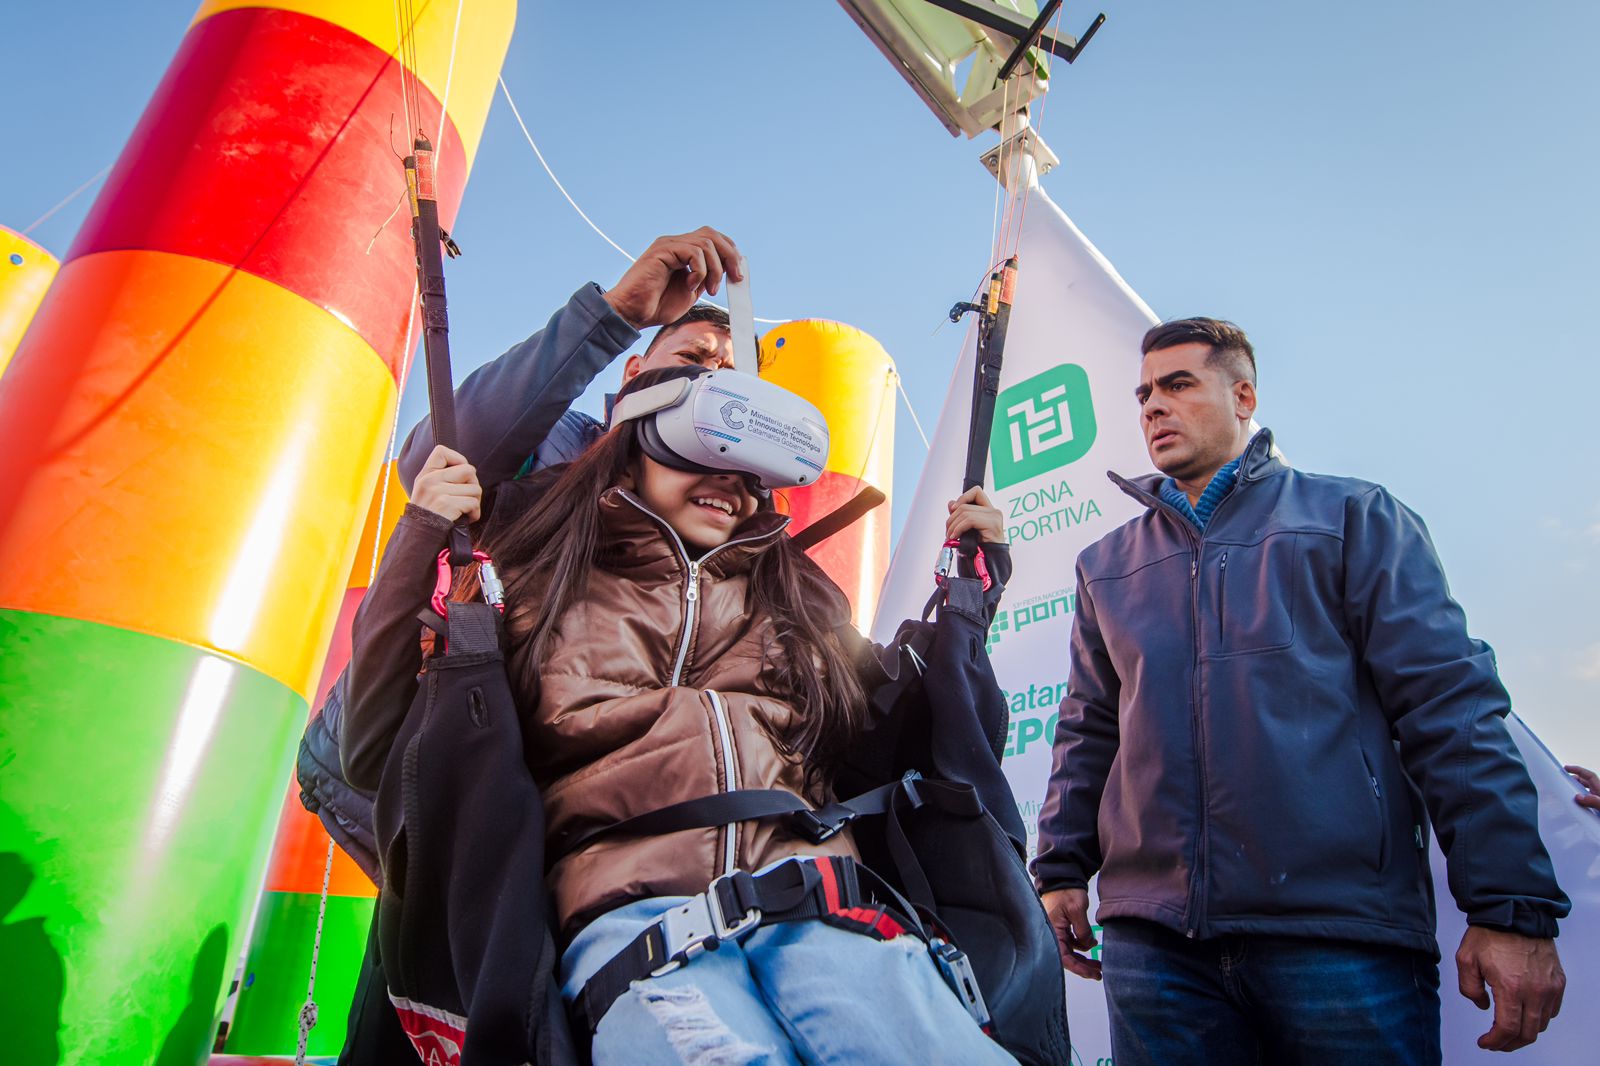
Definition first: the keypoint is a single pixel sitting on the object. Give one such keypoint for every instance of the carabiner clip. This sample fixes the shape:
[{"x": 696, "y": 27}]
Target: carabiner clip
[{"x": 494, "y": 593}]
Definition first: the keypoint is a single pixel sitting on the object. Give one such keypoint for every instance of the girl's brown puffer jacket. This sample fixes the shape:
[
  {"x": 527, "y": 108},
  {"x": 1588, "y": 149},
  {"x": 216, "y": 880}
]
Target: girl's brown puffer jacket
[{"x": 652, "y": 692}]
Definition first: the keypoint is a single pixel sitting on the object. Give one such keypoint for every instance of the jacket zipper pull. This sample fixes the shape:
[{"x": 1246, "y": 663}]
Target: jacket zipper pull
[
  {"x": 1194, "y": 567},
  {"x": 1224, "y": 561},
  {"x": 693, "y": 591}
]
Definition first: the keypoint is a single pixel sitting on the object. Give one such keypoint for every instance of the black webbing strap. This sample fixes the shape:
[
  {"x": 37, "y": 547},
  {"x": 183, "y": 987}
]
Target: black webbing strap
[
  {"x": 428, "y": 240},
  {"x": 840, "y": 518},
  {"x": 829, "y": 889},
  {"x": 992, "y": 326},
  {"x": 473, "y": 629},
  {"x": 741, "y": 805}
]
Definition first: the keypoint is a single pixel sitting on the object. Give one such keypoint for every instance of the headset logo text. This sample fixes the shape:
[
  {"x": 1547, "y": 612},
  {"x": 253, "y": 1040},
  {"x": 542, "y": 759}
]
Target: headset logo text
[
  {"x": 731, "y": 409},
  {"x": 1041, "y": 424}
]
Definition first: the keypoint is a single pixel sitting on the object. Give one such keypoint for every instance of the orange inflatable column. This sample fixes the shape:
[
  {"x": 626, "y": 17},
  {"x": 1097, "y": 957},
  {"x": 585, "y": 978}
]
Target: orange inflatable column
[
  {"x": 25, "y": 273},
  {"x": 850, "y": 378},
  {"x": 190, "y": 431}
]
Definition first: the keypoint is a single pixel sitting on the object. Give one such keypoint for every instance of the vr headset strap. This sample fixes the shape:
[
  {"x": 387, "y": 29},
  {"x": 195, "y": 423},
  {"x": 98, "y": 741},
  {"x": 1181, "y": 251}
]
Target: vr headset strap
[{"x": 839, "y": 519}]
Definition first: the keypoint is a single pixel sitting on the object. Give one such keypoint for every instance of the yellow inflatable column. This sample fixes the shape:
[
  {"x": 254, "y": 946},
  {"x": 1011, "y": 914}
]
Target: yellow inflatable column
[
  {"x": 851, "y": 379},
  {"x": 25, "y": 273}
]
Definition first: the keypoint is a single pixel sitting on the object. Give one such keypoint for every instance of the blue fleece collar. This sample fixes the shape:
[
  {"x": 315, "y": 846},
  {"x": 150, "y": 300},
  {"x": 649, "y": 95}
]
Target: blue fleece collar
[{"x": 1200, "y": 513}]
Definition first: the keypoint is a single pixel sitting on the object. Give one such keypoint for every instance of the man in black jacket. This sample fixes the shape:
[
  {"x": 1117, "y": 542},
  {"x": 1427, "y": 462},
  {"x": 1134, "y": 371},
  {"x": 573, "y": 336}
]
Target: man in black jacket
[{"x": 1272, "y": 694}]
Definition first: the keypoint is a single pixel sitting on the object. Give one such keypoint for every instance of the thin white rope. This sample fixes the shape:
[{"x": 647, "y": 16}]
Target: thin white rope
[
  {"x": 994, "y": 219},
  {"x": 394, "y": 431},
  {"x": 73, "y": 195},
  {"x": 581, "y": 214},
  {"x": 399, "y": 56},
  {"x": 308, "y": 1012},
  {"x": 444, "y": 105},
  {"x": 912, "y": 411},
  {"x": 560, "y": 187}
]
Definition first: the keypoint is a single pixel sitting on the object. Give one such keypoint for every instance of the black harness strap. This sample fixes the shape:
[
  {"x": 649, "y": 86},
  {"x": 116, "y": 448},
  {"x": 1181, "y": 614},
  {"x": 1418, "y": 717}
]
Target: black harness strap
[
  {"x": 741, "y": 805},
  {"x": 829, "y": 889},
  {"x": 428, "y": 238}
]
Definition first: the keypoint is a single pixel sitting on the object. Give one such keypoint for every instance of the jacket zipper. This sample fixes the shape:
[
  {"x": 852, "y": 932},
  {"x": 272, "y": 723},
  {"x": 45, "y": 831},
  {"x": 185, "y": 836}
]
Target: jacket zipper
[
  {"x": 691, "y": 591},
  {"x": 730, "y": 774},
  {"x": 1222, "y": 604},
  {"x": 691, "y": 599},
  {"x": 1196, "y": 902}
]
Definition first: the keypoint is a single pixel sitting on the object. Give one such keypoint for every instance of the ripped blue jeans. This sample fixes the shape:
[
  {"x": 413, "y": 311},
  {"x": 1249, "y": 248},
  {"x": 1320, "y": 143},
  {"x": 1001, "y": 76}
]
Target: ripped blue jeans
[{"x": 801, "y": 992}]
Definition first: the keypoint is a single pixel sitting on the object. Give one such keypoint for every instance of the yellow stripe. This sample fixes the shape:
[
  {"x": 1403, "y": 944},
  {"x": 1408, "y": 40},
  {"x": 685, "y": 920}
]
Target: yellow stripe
[
  {"x": 22, "y": 286},
  {"x": 201, "y": 475},
  {"x": 485, "y": 34},
  {"x": 846, "y": 373}
]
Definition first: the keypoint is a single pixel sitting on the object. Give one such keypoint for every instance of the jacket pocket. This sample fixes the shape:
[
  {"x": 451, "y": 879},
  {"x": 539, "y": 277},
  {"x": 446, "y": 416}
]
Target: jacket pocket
[
  {"x": 1383, "y": 816},
  {"x": 1256, "y": 589}
]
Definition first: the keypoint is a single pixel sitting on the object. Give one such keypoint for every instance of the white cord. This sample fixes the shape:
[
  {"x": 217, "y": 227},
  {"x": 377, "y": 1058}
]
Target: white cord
[
  {"x": 444, "y": 105},
  {"x": 563, "y": 190},
  {"x": 912, "y": 411},
  {"x": 79, "y": 191},
  {"x": 308, "y": 1012}
]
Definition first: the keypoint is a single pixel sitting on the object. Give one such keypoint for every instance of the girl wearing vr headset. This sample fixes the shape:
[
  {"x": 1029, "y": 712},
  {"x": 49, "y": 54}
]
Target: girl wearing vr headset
[{"x": 667, "y": 642}]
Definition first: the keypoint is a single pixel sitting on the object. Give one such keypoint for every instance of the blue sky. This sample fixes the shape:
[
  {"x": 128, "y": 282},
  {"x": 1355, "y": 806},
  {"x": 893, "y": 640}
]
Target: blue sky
[{"x": 1396, "y": 200}]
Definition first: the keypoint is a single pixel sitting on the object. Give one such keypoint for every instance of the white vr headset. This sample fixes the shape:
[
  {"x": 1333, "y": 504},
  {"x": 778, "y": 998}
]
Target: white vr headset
[{"x": 728, "y": 422}]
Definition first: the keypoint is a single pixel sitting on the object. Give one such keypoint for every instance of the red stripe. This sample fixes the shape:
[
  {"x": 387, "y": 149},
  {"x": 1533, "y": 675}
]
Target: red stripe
[
  {"x": 830, "y": 886},
  {"x": 435, "y": 1040},
  {"x": 878, "y": 922},
  {"x": 267, "y": 148}
]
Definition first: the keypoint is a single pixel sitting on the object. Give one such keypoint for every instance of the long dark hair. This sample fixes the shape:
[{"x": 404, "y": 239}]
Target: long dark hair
[{"x": 548, "y": 551}]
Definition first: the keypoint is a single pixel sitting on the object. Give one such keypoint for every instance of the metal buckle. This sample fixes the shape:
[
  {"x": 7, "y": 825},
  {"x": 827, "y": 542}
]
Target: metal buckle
[
  {"x": 946, "y": 565},
  {"x": 699, "y": 925},
  {"x": 956, "y": 969},
  {"x": 815, "y": 828}
]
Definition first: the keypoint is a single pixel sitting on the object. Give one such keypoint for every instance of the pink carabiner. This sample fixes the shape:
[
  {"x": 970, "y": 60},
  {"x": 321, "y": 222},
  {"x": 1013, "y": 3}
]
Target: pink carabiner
[
  {"x": 446, "y": 578},
  {"x": 978, "y": 564}
]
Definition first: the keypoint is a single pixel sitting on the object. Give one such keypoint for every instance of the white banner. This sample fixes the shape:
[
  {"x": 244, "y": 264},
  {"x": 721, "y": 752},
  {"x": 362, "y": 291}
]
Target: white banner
[{"x": 1065, "y": 415}]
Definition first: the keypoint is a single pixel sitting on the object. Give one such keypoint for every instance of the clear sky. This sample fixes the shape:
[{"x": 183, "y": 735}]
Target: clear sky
[{"x": 1396, "y": 200}]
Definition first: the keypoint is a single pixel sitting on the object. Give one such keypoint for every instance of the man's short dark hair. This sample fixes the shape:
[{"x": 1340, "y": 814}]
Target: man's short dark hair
[
  {"x": 1230, "y": 348},
  {"x": 703, "y": 313}
]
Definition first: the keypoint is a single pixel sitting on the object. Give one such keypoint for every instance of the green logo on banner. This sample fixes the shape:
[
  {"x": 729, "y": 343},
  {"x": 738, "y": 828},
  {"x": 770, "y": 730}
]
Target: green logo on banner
[{"x": 1041, "y": 424}]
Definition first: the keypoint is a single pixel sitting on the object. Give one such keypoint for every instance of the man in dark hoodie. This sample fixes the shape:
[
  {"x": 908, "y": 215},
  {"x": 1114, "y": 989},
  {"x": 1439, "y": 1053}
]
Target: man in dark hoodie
[
  {"x": 1272, "y": 694},
  {"x": 513, "y": 418}
]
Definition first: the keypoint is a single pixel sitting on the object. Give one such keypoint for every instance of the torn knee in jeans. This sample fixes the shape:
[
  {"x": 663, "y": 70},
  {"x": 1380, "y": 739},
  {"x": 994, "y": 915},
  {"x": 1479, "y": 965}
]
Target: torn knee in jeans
[{"x": 695, "y": 1031}]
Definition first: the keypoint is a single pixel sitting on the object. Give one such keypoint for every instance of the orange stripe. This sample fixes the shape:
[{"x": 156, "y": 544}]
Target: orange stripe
[
  {"x": 180, "y": 447},
  {"x": 300, "y": 852}
]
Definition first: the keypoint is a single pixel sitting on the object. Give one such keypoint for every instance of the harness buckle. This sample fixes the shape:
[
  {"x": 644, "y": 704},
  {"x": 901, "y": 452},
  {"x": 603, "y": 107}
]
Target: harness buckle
[
  {"x": 956, "y": 969},
  {"x": 700, "y": 925},
  {"x": 815, "y": 827}
]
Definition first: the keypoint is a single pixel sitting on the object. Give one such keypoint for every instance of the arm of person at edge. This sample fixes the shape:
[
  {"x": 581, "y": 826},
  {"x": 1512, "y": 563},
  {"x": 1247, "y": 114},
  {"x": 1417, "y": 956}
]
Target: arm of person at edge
[
  {"x": 385, "y": 653},
  {"x": 1086, "y": 740},
  {"x": 1589, "y": 798},
  {"x": 505, "y": 408},
  {"x": 1447, "y": 708}
]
